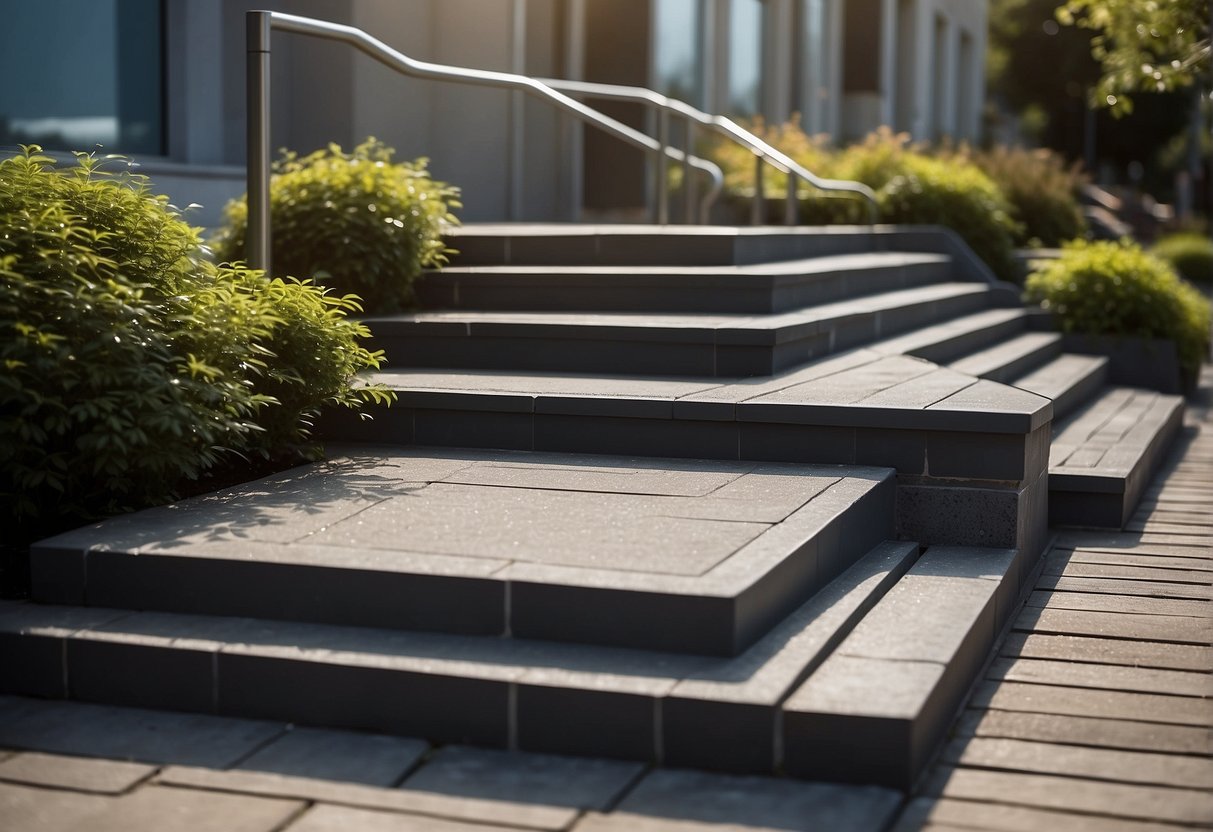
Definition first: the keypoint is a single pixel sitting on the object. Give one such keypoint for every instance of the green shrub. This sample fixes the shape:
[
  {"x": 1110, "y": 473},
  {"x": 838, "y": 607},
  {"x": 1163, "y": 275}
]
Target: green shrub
[
  {"x": 1189, "y": 254},
  {"x": 130, "y": 363},
  {"x": 1107, "y": 288},
  {"x": 357, "y": 222},
  {"x": 911, "y": 186},
  {"x": 1041, "y": 189}
]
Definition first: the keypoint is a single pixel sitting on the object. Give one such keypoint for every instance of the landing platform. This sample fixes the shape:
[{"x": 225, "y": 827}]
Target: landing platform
[{"x": 694, "y": 556}]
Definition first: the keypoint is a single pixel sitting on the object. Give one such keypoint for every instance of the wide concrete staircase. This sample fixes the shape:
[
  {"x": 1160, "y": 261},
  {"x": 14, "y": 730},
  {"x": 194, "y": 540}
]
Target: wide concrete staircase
[{"x": 754, "y": 500}]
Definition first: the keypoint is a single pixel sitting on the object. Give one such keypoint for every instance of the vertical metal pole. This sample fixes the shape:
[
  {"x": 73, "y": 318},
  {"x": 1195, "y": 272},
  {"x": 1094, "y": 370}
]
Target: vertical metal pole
[
  {"x": 257, "y": 113},
  {"x": 663, "y": 166},
  {"x": 688, "y": 174},
  {"x": 758, "y": 208},
  {"x": 791, "y": 206}
]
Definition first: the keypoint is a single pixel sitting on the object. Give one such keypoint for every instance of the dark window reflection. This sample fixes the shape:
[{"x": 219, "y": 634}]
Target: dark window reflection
[{"x": 81, "y": 74}]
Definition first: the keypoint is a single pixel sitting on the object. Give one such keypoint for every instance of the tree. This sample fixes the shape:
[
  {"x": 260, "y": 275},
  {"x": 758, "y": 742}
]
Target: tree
[{"x": 1142, "y": 45}]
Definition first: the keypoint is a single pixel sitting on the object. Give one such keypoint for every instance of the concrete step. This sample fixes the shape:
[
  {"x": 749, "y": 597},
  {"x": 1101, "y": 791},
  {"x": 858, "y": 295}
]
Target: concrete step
[
  {"x": 676, "y": 709},
  {"x": 1068, "y": 380},
  {"x": 1104, "y": 453},
  {"x": 690, "y": 556},
  {"x": 683, "y": 344},
  {"x": 952, "y": 339},
  {"x": 753, "y": 289},
  {"x": 536, "y": 244},
  {"x": 878, "y": 708},
  {"x": 1011, "y": 358}
]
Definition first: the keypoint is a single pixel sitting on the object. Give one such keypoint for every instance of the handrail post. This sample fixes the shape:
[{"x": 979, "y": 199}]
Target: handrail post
[
  {"x": 790, "y": 205},
  {"x": 257, "y": 110},
  {"x": 758, "y": 206},
  {"x": 688, "y": 174},
  {"x": 663, "y": 169}
]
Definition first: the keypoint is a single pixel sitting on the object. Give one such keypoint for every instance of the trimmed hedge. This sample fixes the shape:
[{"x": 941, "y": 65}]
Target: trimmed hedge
[
  {"x": 1189, "y": 253},
  {"x": 1107, "y": 288}
]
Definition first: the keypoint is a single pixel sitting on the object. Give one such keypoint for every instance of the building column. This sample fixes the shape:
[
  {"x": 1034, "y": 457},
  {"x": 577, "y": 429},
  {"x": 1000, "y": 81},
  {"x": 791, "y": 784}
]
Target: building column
[
  {"x": 920, "y": 111},
  {"x": 778, "y": 32},
  {"x": 888, "y": 62},
  {"x": 951, "y": 86}
]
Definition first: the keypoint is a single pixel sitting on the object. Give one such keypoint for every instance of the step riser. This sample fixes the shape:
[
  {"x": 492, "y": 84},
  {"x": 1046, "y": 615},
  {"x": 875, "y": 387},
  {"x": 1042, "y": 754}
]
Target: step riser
[
  {"x": 1028, "y": 361},
  {"x": 649, "y": 249},
  {"x": 1068, "y": 402},
  {"x": 948, "y": 350},
  {"x": 722, "y": 293},
  {"x": 704, "y": 353}
]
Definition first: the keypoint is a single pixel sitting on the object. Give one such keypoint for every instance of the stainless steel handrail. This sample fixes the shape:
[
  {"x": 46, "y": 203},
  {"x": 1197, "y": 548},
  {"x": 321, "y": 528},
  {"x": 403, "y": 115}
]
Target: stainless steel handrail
[
  {"x": 260, "y": 25},
  {"x": 762, "y": 151}
]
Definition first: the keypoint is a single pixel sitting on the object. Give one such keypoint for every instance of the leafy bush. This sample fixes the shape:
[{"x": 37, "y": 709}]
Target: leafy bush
[
  {"x": 1041, "y": 189},
  {"x": 1112, "y": 288},
  {"x": 130, "y": 363},
  {"x": 1189, "y": 253},
  {"x": 911, "y": 187},
  {"x": 357, "y": 222},
  {"x": 915, "y": 188}
]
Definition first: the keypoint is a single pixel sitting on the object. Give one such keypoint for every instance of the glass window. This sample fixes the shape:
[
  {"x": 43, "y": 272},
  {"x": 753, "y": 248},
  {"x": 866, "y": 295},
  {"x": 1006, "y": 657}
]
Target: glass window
[
  {"x": 677, "y": 49},
  {"x": 745, "y": 57},
  {"x": 83, "y": 74}
]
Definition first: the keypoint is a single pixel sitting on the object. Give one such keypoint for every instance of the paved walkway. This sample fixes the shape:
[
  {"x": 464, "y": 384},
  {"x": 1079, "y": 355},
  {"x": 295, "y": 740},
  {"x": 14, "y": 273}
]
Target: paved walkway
[{"x": 1097, "y": 714}]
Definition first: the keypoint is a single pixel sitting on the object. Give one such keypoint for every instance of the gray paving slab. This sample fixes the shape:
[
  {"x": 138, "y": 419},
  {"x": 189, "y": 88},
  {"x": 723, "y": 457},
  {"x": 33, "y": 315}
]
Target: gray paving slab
[
  {"x": 1105, "y": 624},
  {"x": 1054, "y": 699},
  {"x": 1120, "y": 766},
  {"x": 1102, "y": 676},
  {"x": 1122, "y": 570},
  {"x": 186, "y": 810},
  {"x": 724, "y": 802},
  {"x": 82, "y": 774},
  {"x": 535, "y": 526},
  {"x": 517, "y": 788},
  {"x": 967, "y": 814},
  {"x": 1128, "y": 604},
  {"x": 340, "y": 756},
  {"x": 1143, "y": 588},
  {"x": 1072, "y": 794},
  {"x": 1111, "y": 651},
  {"x": 129, "y": 734},
  {"x": 34, "y": 808},
  {"x": 325, "y": 818},
  {"x": 1094, "y": 732}
]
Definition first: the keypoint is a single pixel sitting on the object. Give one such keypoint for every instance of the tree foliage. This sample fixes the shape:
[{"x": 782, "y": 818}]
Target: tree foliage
[{"x": 1142, "y": 45}]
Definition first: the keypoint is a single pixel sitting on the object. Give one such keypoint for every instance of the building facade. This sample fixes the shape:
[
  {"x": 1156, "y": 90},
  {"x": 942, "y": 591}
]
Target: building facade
[{"x": 163, "y": 81}]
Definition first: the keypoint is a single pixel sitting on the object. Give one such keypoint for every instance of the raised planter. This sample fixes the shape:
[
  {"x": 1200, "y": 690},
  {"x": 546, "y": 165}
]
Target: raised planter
[{"x": 1152, "y": 363}]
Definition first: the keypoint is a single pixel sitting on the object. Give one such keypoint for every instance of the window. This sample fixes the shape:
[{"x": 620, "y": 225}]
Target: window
[
  {"x": 814, "y": 66},
  {"x": 80, "y": 75},
  {"x": 677, "y": 52}
]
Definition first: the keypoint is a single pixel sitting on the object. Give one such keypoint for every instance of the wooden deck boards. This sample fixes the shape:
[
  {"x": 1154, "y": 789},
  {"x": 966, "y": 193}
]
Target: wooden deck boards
[{"x": 1097, "y": 714}]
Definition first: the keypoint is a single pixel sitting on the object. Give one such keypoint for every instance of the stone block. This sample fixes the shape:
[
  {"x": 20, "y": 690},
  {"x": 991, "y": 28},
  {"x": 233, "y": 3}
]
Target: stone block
[
  {"x": 338, "y": 756},
  {"x": 82, "y": 774}
]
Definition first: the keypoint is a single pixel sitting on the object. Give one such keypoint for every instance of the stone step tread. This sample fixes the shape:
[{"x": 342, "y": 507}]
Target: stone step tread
[
  {"x": 857, "y": 387},
  {"x": 895, "y": 682},
  {"x": 688, "y": 555},
  {"x": 1001, "y": 360},
  {"x": 943, "y": 341},
  {"x": 543, "y": 696},
  {"x": 1067, "y": 370},
  {"x": 742, "y": 328}
]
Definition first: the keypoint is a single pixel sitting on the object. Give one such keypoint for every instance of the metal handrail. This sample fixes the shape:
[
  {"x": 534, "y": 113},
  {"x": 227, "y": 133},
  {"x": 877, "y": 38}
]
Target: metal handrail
[
  {"x": 260, "y": 25},
  {"x": 762, "y": 151}
]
